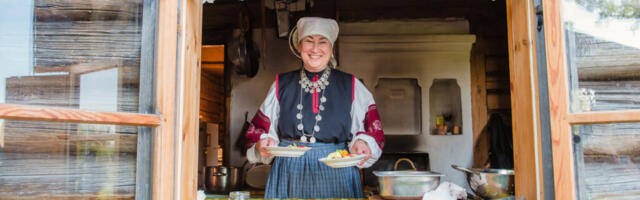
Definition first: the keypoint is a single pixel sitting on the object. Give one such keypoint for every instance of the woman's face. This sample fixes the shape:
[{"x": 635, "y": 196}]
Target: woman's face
[{"x": 315, "y": 51}]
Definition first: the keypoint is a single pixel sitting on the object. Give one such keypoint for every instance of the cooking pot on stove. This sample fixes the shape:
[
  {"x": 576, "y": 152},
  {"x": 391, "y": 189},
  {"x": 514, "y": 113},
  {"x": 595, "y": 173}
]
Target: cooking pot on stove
[
  {"x": 217, "y": 180},
  {"x": 410, "y": 184},
  {"x": 222, "y": 179}
]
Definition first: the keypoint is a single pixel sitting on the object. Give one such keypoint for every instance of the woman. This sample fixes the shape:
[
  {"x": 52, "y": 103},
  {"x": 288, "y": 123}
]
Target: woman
[{"x": 321, "y": 108}]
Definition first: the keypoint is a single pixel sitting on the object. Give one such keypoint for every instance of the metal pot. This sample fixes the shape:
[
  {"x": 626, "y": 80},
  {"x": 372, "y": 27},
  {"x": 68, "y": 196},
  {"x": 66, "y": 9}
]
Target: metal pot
[
  {"x": 489, "y": 183},
  {"x": 217, "y": 180},
  {"x": 406, "y": 184},
  {"x": 236, "y": 179}
]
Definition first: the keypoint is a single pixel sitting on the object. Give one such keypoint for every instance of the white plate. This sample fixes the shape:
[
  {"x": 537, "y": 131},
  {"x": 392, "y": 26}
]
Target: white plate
[
  {"x": 288, "y": 151},
  {"x": 343, "y": 162}
]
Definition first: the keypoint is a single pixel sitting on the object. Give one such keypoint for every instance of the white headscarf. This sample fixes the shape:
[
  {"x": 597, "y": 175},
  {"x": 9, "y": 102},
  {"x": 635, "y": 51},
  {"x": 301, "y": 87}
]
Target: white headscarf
[{"x": 308, "y": 26}]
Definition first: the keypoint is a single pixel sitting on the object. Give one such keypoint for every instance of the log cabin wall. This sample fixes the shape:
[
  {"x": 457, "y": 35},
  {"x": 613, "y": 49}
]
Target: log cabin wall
[{"x": 489, "y": 59}]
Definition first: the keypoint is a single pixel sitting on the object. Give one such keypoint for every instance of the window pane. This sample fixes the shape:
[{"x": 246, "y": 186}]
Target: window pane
[
  {"x": 603, "y": 54},
  {"x": 67, "y": 160},
  {"x": 82, "y": 54},
  {"x": 607, "y": 160}
]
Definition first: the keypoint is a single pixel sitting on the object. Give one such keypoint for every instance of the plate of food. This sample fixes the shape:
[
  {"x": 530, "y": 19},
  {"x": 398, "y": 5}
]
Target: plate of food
[
  {"x": 292, "y": 150},
  {"x": 342, "y": 158}
]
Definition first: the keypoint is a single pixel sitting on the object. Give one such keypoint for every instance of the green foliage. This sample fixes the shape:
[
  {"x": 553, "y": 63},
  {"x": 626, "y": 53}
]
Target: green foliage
[{"x": 620, "y": 9}]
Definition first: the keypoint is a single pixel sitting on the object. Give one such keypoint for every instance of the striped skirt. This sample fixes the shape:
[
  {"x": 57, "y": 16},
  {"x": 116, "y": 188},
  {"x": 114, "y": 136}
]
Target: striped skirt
[{"x": 306, "y": 177}]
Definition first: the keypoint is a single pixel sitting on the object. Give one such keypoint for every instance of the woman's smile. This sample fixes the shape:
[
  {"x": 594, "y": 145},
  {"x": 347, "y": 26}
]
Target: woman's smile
[{"x": 315, "y": 51}]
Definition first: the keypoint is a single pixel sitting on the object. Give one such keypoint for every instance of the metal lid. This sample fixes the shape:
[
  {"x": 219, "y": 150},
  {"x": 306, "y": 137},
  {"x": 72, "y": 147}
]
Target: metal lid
[{"x": 407, "y": 173}]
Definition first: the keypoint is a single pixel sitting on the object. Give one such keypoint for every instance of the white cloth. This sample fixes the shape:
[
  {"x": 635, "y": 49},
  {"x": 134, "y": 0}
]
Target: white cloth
[
  {"x": 446, "y": 191},
  {"x": 201, "y": 195},
  {"x": 362, "y": 99}
]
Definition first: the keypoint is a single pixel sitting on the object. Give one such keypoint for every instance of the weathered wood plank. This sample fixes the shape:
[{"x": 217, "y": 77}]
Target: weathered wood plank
[
  {"x": 599, "y": 59},
  {"x": 85, "y": 10},
  {"x": 612, "y": 177},
  {"x": 614, "y": 95},
  {"x": 54, "y": 137},
  {"x": 105, "y": 43},
  {"x": 104, "y": 175}
]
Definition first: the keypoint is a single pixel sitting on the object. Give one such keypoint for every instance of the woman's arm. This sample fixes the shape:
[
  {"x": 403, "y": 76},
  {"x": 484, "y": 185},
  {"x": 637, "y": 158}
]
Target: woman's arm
[
  {"x": 263, "y": 125},
  {"x": 365, "y": 124}
]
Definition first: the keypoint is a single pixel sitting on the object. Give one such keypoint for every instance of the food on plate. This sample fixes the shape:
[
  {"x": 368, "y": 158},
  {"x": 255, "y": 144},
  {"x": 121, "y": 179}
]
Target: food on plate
[
  {"x": 340, "y": 153},
  {"x": 294, "y": 146}
]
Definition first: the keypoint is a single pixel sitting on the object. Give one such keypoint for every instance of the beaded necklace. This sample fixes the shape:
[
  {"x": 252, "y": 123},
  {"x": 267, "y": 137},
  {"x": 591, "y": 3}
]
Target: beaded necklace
[{"x": 313, "y": 87}]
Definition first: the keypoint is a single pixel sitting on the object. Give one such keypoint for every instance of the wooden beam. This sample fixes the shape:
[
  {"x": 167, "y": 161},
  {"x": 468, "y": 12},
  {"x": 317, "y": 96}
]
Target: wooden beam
[
  {"x": 604, "y": 117},
  {"x": 22, "y": 112},
  {"x": 479, "y": 103},
  {"x": 190, "y": 37},
  {"x": 213, "y": 53},
  {"x": 561, "y": 137},
  {"x": 165, "y": 145},
  {"x": 524, "y": 105}
]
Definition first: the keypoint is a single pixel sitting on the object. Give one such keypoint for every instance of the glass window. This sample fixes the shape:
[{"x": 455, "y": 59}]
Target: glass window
[
  {"x": 67, "y": 160},
  {"x": 603, "y": 54},
  {"x": 607, "y": 160},
  {"x": 72, "y": 54}
]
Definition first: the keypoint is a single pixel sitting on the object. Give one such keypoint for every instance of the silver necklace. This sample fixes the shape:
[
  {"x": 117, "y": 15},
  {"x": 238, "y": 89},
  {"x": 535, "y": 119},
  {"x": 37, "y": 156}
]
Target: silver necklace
[{"x": 319, "y": 86}]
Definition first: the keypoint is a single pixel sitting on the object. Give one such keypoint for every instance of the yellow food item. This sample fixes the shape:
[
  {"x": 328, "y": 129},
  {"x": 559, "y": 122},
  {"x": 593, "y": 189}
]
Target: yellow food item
[{"x": 340, "y": 153}]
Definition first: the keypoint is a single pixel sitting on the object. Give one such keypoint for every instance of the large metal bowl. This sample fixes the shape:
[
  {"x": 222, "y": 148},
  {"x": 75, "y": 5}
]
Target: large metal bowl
[
  {"x": 490, "y": 183},
  {"x": 406, "y": 184}
]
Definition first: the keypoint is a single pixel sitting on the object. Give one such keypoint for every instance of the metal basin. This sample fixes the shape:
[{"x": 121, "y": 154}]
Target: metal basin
[
  {"x": 406, "y": 184},
  {"x": 490, "y": 183}
]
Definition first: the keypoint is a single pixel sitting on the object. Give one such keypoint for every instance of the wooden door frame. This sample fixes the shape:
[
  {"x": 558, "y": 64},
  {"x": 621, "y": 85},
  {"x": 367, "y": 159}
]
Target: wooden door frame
[
  {"x": 177, "y": 94},
  {"x": 523, "y": 70}
]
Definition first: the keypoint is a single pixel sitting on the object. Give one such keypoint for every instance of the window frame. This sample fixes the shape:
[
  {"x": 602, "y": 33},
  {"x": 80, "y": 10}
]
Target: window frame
[
  {"x": 176, "y": 32},
  {"x": 561, "y": 119}
]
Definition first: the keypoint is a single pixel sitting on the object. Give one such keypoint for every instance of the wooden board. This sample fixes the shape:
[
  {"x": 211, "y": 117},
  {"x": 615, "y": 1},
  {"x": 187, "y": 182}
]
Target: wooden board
[
  {"x": 563, "y": 160},
  {"x": 40, "y": 176},
  {"x": 165, "y": 136},
  {"x": 528, "y": 170},
  {"x": 612, "y": 177},
  {"x": 190, "y": 55},
  {"x": 84, "y": 10},
  {"x": 48, "y": 137},
  {"x": 103, "y": 43},
  {"x": 213, "y": 53}
]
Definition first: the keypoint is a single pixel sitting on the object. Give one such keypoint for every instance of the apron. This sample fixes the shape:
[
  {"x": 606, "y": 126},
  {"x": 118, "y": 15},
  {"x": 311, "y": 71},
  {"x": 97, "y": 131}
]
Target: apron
[{"x": 306, "y": 177}]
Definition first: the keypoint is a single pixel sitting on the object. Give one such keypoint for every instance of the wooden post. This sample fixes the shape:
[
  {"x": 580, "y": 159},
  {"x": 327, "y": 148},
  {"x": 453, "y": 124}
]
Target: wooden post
[{"x": 524, "y": 103}]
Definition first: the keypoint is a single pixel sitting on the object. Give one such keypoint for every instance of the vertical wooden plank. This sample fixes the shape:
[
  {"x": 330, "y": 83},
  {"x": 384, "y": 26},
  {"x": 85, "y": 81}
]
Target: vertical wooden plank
[
  {"x": 563, "y": 168},
  {"x": 189, "y": 84},
  {"x": 146, "y": 101},
  {"x": 479, "y": 102},
  {"x": 523, "y": 104},
  {"x": 165, "y": 148}
]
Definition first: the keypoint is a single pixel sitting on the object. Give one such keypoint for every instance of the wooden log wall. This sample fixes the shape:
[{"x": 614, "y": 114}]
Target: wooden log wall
[
  {"x": 212, "y": 96},
  {"x": 79, "y": 32},
  {"x": 60, "y": 176}
]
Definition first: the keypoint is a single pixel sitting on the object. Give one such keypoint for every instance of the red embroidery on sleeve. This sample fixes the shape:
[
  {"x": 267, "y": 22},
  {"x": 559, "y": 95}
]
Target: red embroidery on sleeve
[
  {"x": 259, "y": 125},
  {"x": 373, "y": 125}
]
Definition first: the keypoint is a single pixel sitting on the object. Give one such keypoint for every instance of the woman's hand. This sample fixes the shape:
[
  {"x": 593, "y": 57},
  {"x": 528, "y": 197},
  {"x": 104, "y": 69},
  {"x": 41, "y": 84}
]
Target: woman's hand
[
  {"x": 361, "y": 147},
  {"x": 260, "y": 146}
]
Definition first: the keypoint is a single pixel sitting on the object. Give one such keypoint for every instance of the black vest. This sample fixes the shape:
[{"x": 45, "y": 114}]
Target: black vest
[{"x": 335, "y": 126}]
